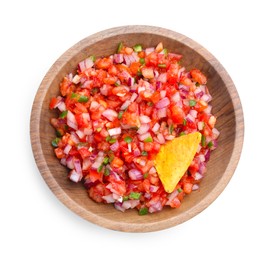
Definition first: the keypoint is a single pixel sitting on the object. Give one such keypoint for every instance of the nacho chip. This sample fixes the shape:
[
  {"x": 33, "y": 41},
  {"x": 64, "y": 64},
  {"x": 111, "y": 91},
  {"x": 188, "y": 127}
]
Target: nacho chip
[{"x": 174, "y": 158}]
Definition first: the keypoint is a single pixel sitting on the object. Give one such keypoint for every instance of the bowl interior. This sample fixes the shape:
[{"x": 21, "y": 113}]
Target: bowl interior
[{"x": 226, "y": 107}]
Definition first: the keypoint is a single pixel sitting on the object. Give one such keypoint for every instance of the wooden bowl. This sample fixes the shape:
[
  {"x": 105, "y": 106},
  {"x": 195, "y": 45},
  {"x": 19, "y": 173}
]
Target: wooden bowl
[{"x": 226, "y": 106}]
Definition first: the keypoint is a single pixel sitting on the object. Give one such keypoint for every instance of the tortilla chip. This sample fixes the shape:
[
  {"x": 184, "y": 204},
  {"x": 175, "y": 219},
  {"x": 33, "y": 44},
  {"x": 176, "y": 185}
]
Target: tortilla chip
[{"x": 174, "y": 158}]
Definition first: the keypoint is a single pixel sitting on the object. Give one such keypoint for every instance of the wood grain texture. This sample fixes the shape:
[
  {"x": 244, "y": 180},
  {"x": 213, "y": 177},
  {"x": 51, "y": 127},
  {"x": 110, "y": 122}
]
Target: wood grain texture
[{"x": 226, "y": 106}]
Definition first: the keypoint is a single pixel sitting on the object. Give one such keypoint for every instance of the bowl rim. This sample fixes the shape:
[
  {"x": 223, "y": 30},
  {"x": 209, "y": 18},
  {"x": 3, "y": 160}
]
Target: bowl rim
[{"x": 69, "y": 202}]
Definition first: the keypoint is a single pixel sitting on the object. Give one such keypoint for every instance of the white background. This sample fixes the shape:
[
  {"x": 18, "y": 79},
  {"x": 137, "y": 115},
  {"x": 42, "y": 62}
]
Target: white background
[{"x": 35, "y": 225}]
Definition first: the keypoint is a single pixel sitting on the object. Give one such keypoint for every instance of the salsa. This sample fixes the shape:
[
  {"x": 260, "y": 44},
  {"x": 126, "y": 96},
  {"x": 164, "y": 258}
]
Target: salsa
[{"x": 116, "y": 112}]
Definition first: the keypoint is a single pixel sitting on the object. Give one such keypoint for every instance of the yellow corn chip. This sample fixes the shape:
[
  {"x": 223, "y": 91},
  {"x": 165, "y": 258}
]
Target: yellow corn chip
[{"x": 174, "y": 158}]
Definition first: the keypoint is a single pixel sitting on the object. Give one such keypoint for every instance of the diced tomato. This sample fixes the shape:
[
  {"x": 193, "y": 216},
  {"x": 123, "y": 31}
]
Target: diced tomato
[
  {"x": 155, "y": 98},
  {"x": 135, "y": 67},
  {"x": 198, "y": 76},
  {"x": 152, "y": 59},
  {"x": 103, "y": 63},
  {"x": 172, "y": 73},
  {"x": 117, "y": 162},
  {"x": 80, "y": 108},
  {"x": 84, "y": 152},
  {"x": 177, "y": 114},
  {"x": 66, "y": 87},
  {"x": 187, "y": 187},
  {"x": 59, "y": 153},
  {"x": 112, "y": 70},
  {"x": 53, "y": 102},
  {"x": 97, "y": 192}
]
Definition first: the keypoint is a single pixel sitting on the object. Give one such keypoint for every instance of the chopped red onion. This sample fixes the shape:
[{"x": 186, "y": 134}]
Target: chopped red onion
[
  {"x": 136, "y": 152},
  {"x": 162, "y": 112},
  {"x": 81, "y": 66},
  {"x": 108, "y": 198},
  {"x": 67, "y": 148},
  {"x": 77, "y": 164},
  {"x": 89, "y": 63},
  {"x": 149, "y": 50},
  {"x": 206, "y": 97},
  {"x": 118, "y": 58},
  {"x": 163, "y": 103},
  {"x": 98, "y": 162},
  {"x": 63, "y": 161},
  {"x": 152, "y": 170},
  {"x": 156, "y": 127},
  {"x": 86, "y": 116},
  {"x": 70, "y": 162},
  {"x": 145, "y": 119},
  {"x": 215, "y": 132},
  {"x": 143, "y": 129},
  {"x": 180, "y": 72},
  {"x": 160, "y": 138},
  {"x": 155, "y": 207},
  {"x": 76, "y": 79},
  {"x": 162, "y": 78},
  {"x": 114, "y": 147},
  {"x": 190, "y": 118},
  {"x": 198, "y": 176},
  {"x": 176, "y": 97},
  {"x": 208, "y": 110},
  {"x": 114, "y": 131},
  {"x": 110, "y": 114},
  {"x": 104, "y": 90},
  {"x": 75, "y": 176},
  {"x": 85, "y": 64},
  {"x": 94, "y": 105},
  {"x": 117, "y": 197},
  {"x": 153, "y": 188},
  {"x": 86, "y": 164},
  {"x": 130, "y": 204},
  {"x": 202, "y": 168},
  {"x": 144, "y": 136},
  {"x": 171, "y": 197},
  {"x": 135, "y": 56},
  {"x": 135, "y": 174},
  {"x": 201, "y": 157},
  {"x": 198, "y": 93},
  {"x": 125, "y": 105},
  {"x": 131, "y": 81},
  {"x": 61, "y": 106},
  {"x": 207, "y": 155},
  {"x": 74, "y": 137},
  {"x": 141, "y": 144},
  {"x": 80, "y": 133},
  {"x": 133, "y": 97},
  {"x": 156, "y": 73},
  {"x": 195, "y": 187},
  {"x": 141, "y": 89},
  {"x": 118, "y": 206},
  {"x": 158, "y": 85},
  {"x": 127, "y": 60},
  {"x": 71, "y": 120},
  {"x": 87, "y": 84},
  {"x": 163, "y": 93},
  {"x": 193, "y": 113},
  {"x": 184, "y": 88},
  {"x": 142, "y": 162},
  {"x": 87, "y": 131}
]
